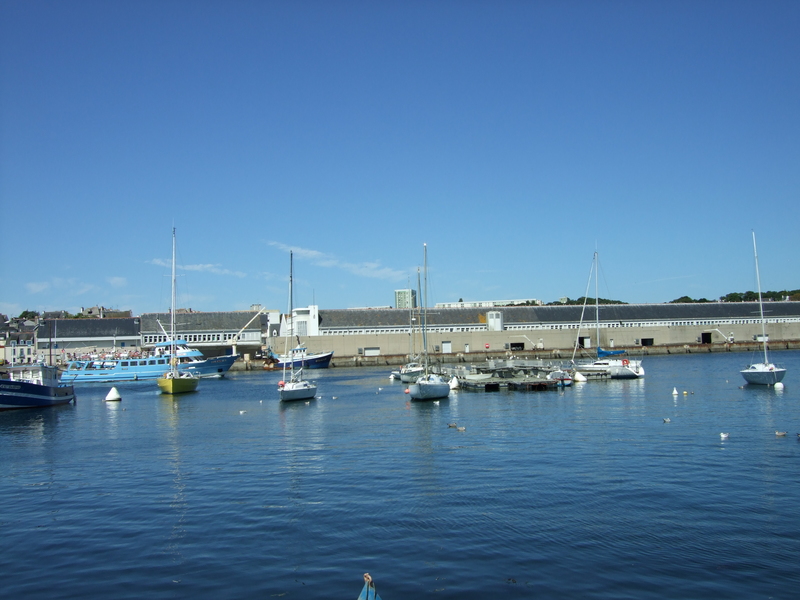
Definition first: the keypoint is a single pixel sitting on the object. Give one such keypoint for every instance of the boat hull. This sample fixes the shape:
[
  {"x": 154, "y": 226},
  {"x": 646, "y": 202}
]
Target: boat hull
[
  {"x": 20, "y": 394},
  {"x": 431, "y": 387},
  {"x": 310, "y": 361},
  {"x": 177, "y": 385},
  {"x": 106, "y": 371},
  {"x": 763, "y": 374},
  {"x": 411, "y": 376},
  {"x": 297, "y": 390},
  {"x": 614, "y": 368},
  {"x": 632, "y": 370}
]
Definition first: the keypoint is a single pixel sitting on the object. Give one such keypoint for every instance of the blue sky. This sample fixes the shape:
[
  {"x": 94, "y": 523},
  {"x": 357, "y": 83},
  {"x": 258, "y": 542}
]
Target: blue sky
[{"x": 512, "y": 137}]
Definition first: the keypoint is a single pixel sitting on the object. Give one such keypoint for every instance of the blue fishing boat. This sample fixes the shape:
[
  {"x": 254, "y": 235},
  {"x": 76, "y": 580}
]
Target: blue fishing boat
[
  {"x": 298, "y": 357},
  {"x": 134, "y": 368},
  {"x": 34, "y": 386}
]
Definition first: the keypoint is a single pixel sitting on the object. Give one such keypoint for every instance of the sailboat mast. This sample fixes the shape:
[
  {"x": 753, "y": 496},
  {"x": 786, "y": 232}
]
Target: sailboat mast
[
  {"x": 425, "y": 306},
  {"x": 597, "y": 303},
  {"x": 289, "y": 355},
  {"x": 583, "y": 311},
  {"x": 760, "y": 301},
  {"x": 173, "y": 360}
]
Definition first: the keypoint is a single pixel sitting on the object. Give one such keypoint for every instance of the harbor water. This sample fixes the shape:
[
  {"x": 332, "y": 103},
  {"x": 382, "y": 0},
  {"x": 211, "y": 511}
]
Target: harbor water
[{"x": 583, "y": 492}]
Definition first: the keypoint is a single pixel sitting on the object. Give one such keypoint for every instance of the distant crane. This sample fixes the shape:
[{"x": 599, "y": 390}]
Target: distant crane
[
  {"x": 232, "y": 341},
  {"x": 728, "y": 338}
]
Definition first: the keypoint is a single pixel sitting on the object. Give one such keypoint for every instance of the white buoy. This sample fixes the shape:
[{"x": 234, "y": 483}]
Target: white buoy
[
  {"x": 579, "y": 377},
  {"x": 778, "y": 386},
  {"x": 113, "y": 395},
  {"x": 674, "y": 391}
]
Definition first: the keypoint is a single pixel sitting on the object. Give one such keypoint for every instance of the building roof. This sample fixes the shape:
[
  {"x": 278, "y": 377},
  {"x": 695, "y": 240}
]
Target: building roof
[
  {"x": 89, "y": 327},
  {"x": 204, "y": 321},
  {"x": 381, "y": 318}
]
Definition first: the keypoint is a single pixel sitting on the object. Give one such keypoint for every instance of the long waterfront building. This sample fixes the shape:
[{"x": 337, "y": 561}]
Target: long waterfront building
[{"x": 453, "y": 333}]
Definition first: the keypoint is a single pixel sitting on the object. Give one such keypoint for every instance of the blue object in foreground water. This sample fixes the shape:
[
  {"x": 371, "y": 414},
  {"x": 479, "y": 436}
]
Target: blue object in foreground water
[{"x": 369, "y": 592}]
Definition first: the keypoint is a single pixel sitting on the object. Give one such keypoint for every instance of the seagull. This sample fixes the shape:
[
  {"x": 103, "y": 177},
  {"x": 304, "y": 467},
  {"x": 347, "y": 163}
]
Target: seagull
[
  {"x": 724, "y": 436},
  {"x": 454, "y": 425},
  {"x": 667, "y": 420},
  {"x": 334, "y": 397},
  {"x": 241, "y": 412},
  {"x": 780, "y": 433},
  {"x": 462, "y": 428}
]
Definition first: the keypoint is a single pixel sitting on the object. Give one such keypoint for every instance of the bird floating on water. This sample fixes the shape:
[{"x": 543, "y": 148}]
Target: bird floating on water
[
  {"x": 724, "y": 436},
  {"x": 454, "y": 425},
  {"x": 780, "y": 433},
  {"x": 462, "y": 429},
  {"x": 667, "y": 420},
  {"x": 241, "y": 412}
]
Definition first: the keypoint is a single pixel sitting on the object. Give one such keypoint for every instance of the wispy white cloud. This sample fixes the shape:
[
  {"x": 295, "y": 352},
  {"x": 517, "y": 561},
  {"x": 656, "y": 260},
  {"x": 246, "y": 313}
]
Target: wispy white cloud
[
  {"x": 117, "y": 282},
  {"x": 215, "y": 269},
  {"x": 37, "y": 287},
  {"x": 72, "y": 286},
  {"x": 373, "y": 270}
]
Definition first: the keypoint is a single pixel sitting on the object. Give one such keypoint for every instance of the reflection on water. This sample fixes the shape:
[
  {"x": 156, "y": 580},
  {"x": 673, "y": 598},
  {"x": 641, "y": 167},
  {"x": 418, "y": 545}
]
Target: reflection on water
[{"x": 584, "y": 491}]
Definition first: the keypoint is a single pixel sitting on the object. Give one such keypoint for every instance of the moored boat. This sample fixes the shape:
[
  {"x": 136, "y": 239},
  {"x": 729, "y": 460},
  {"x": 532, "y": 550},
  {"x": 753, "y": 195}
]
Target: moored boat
[
  {"x": 296, "y": 388},
  {"x": 298, "y": 357},
  {"x": 563, "y": 378},
  {"x": 604, "y": 365},
  {"x": 427, "y": 386},
  {"x": 175, "y": 381},
  {"x": 763, "y": 373},
  {"x": 411, "y": 371},
  {"x": 152, "y": 366},
  {"x": 34, "y": 386}
]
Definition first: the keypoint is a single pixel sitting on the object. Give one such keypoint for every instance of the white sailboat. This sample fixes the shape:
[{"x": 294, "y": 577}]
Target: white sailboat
[
  {"x": 762, "y": 373},
  {"x": 616, "y": 368},
  {"x": 411, "y": 371},
  {"x": 428, "y": 386},
  {"x": 296, "y": 388},
  {"x": 175, "y": 381}
]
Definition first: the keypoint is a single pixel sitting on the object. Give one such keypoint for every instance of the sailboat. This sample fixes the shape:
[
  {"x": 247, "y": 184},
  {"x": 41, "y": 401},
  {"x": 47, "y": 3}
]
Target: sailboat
[
  {"x": 296, "y": 388},
  {"x": 428, "y": 386},
  {"x": 175, "y": 381},
  {"x": 411, "y": 371},
  {"x": 763, "y": 373},
  {"x": 616, "y": 368}
]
